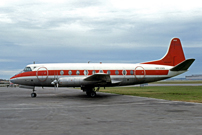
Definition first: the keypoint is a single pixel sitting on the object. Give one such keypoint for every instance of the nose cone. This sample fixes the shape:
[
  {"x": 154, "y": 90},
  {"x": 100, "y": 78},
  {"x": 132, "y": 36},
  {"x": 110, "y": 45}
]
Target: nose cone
[{"x": 12, "y": 80}]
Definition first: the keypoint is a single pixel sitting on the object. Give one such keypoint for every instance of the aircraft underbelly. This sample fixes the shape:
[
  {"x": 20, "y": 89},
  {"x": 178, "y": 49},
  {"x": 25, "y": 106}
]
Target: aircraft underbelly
[{"x": 78, "y": 82}]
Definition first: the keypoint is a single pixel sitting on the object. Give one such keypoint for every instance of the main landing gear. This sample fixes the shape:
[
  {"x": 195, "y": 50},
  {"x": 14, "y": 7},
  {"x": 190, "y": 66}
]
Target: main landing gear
[
  {"x": 91, "y": 92},
  {"x": 33, "y": 95}
]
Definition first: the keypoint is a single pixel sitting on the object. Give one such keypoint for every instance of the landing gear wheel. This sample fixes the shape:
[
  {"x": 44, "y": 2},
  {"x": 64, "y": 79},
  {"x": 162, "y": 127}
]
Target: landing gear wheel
[
  {"x": 33, "y": 95},
  {"x": 91, "y": 93}
]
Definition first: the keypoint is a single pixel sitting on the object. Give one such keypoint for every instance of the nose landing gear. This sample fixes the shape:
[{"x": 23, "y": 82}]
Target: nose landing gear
[{"x": 33, "y": 95}]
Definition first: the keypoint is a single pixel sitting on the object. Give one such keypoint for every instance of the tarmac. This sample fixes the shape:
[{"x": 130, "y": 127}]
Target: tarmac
[{"x": 69, "y": 111}]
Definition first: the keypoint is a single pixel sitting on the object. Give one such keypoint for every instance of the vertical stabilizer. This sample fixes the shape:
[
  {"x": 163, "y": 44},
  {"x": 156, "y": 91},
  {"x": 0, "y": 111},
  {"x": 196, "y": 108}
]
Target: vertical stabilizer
[{"x": 174, "y": 55}]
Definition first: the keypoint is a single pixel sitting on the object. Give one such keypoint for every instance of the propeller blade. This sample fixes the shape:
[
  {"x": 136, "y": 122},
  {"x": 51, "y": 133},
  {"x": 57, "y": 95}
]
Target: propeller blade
[
  {"x": 57, "y": 85},
  {"x": 55, "y": 82}
]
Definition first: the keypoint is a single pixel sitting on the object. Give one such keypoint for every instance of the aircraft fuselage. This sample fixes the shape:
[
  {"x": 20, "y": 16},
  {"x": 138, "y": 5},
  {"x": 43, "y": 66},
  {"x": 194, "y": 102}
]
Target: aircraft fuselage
[{"x": 73, "y": 75}]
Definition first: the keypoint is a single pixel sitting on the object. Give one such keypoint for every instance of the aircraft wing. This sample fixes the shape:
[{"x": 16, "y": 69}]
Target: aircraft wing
[{"x": 100, "y": 77}]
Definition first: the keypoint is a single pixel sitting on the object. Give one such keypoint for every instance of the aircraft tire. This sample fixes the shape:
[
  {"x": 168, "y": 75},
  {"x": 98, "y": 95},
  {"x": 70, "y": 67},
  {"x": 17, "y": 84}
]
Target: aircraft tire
[
  {"x": 33, "y": 95},
  {"x": 91, "y": 93}
]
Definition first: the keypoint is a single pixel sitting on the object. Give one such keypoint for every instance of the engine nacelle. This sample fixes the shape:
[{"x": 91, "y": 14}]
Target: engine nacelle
[
  {"x": 74, "y": 82},
  {"x": 69, "y": 81}
]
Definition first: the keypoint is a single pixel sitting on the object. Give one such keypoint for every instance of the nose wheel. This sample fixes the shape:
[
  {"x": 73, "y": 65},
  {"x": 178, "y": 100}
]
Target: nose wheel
[{"x": 33, "y": 95}]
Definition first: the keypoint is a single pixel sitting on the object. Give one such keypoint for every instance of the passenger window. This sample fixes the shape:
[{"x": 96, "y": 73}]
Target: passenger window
[
  {"x": 70, "y": 72},
  {"x": 101, "y": 71},
  {"x": 77, "y": 72},
  {"x": 108, "y": 72},
  {"x": 93, "y": 72},
  {"x": 132, "y": 72},
  {"x": 124, "y": 72},
  {"x": 85, "y": 72},
  {"x": 62, "y": 72},
  {"x": 116, "y": 72}
]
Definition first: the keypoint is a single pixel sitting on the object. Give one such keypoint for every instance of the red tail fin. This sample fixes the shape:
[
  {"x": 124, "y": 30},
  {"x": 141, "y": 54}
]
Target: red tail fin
[{"x": 174, "y": 56}]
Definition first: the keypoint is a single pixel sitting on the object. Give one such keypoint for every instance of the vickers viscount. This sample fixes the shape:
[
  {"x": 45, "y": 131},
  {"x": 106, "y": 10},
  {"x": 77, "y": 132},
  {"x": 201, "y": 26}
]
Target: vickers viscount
[{"x": 90, "y": 77}]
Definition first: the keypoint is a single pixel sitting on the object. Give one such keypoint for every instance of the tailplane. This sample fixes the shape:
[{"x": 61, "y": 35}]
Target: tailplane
[
  {"x": 183, "y": 66},
  {"x": 173, "y": 57}
]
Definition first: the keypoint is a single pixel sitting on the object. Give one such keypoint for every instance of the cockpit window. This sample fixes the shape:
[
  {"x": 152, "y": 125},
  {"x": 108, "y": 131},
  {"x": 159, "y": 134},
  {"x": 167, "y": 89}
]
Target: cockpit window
[{"x": 27, "y": 69}]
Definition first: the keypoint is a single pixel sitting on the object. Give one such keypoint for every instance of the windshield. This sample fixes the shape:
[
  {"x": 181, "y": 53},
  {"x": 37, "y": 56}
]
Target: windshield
[{"x": 27, "y": 69}]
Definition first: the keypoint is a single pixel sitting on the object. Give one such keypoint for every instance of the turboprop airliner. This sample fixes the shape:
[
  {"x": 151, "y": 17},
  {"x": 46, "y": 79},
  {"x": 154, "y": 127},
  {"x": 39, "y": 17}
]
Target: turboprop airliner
[{"x": 90, "y": 76}]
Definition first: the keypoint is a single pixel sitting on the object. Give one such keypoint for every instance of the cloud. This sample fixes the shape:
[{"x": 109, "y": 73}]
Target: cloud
[
  {"x": 77, "y": 31},
  {"x": 9, "y": 73},
  {"x": 87, "y": 23},
  {"x": 7, "y": 60}
]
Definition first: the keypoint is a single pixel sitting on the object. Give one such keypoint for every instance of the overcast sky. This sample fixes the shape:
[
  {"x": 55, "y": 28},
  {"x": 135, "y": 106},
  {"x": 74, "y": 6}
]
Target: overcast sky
[{"x": 111, "y": 31}]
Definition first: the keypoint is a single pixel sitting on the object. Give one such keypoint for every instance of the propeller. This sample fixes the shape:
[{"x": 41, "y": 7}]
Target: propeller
[{"x": 55, "y": 82}]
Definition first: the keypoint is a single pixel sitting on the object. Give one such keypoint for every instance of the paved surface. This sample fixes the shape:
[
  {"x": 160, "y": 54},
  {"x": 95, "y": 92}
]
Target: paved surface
[{"x": 70, "y": 112}]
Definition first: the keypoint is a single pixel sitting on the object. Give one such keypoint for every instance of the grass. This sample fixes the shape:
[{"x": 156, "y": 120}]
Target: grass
[
  {"x": 179, "y": 82},
  {"x": 174, "y": 93}
]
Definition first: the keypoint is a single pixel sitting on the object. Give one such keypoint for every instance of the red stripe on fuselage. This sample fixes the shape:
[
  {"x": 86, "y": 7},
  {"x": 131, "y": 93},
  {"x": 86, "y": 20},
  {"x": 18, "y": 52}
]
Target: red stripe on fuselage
[
  {"x": 156, "y": 72},
  {"x": 24, "y": 74},
  {"x": 90, "y": 72}
]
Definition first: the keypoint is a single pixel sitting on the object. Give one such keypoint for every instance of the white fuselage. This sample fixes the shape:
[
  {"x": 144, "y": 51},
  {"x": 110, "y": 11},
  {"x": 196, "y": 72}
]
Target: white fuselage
[{"x": 74, "y": 74}]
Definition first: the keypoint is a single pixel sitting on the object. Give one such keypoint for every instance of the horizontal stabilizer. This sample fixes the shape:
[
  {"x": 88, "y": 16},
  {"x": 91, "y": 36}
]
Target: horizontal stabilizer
[{"x": 183, "y": 65}]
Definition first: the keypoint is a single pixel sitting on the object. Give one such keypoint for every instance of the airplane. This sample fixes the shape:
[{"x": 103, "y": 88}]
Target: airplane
[{"x": 91, "y": 76}]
